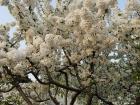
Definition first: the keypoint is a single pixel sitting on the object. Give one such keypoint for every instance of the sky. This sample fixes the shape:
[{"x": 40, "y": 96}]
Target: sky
[
  {"x": 5, "y": 15},
  {"x": 121, "y": 4}
]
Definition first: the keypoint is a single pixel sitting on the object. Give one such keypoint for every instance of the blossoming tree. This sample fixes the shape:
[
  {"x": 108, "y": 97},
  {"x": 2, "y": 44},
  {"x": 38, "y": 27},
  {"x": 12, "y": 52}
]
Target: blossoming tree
[{"x": 79, "y": 52}]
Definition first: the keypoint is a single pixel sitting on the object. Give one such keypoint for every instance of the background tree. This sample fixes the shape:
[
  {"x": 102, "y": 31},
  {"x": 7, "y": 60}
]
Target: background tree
[{"x": 82, "y": 52}]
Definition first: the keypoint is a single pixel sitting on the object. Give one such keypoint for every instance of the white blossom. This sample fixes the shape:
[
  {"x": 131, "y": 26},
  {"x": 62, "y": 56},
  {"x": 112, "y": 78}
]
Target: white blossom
[
  {"x": 14, "y": 10},
  {"x": 4, "y": 61},
  {"x": 86, "y": 14},
  {"x": 36, "y": 57},
  {"x": 29, "y": 35},
  {"x": 90, "y": 4},
  {"x": 58, "y": 40},
  {"x": 2, "y": 44},
  {"x": 2, "y": 54},
  {"x": 20, "y": 68},
  {"x": 76, "y": 4},
  {"x": 102, "y": 5},
  {"x": 75, "y": 57},
  {"x": 37, "y": 40},
  {"x": 30, "y": 49},
  {"x": 135, "y": 22},
  {"x": 85, "y": 25},
  {"x": 91, "y": 38},
  {"x": 53, "y": 19},
  {"x": 89, "y": 51},
  {"x": 66, "y": 42},
  {"x": 16, "y": 55},
  {"x": 47, "y": 62},
  {"x": 49, "y": 39},
  {"x": 73, "y": 18},
  {"x": 44, "y": 49},
  {"x": 132, "y": 5},
  {"x": 1, "y": 1}
]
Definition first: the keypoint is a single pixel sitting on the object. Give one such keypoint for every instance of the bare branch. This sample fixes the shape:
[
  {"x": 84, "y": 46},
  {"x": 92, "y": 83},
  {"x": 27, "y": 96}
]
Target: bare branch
[
  {"x": 73, "y": 99},
  {"x": 17, "y": 86},
  {"x": 53, "y": 98},
  {"x": 54, "y": 83}
]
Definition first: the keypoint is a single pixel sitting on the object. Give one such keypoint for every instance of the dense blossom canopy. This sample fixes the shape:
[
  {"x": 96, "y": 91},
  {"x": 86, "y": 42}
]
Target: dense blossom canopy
[{"x": 77, "y": 52}]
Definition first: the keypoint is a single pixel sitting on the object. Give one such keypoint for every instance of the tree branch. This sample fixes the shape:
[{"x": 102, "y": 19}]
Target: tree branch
[
  {"x": 5, "y": 91},
  {"x": 89, "y": 99},
  {"x": 102, "y": 99},
  {"x": 17, "y": 86},
  {"x": 53, "y": 98},
  {"x": 23, "y": 95},
  {"x": 73, "y": 99},
  {"x": 54, "y": 83},
  {"x": 67, "y": 56}
]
